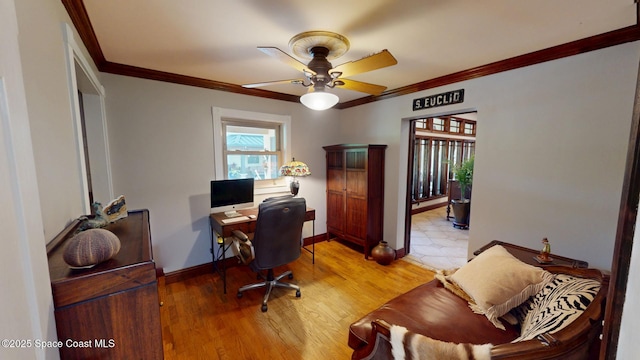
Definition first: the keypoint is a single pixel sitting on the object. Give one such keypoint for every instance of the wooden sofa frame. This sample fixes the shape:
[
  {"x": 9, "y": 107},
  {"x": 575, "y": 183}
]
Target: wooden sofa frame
[{"x": 579, "y": 340}]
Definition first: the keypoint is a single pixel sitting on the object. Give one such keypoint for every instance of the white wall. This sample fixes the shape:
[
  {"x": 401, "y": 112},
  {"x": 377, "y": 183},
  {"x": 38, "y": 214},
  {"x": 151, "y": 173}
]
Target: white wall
[
  {"x": 550, "y": 156},
  {"x": 161, "y": 142},
  {"x": 564, "y": 151},
  {"x": 52, "y": 130},
  {"x": 26, "y": 310},
  {"x": 551, "y": 149}
]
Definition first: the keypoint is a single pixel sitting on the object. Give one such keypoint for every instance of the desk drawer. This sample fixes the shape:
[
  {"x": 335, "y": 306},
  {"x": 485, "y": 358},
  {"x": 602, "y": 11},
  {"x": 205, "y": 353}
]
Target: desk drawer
[{"x": 245, "y": 227}]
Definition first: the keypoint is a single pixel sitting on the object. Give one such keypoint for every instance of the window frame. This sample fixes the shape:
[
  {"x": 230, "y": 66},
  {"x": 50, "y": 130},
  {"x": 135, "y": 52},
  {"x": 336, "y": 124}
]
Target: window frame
[
  {"x": 428, "y": 125},
  {"x": 222, "y": 116},
  {"x": 276, "y": 127}
]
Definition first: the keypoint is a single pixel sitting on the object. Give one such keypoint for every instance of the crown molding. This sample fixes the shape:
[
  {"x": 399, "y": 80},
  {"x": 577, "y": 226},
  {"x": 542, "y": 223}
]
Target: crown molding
[
  {"x": 612, "y": 38},
  {"x": 134, "y": 71},
  {"x": 78, "y": 14}
]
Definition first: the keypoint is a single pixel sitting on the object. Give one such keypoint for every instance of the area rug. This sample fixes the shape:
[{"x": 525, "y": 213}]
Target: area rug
[{"x": 409, "y": 345}]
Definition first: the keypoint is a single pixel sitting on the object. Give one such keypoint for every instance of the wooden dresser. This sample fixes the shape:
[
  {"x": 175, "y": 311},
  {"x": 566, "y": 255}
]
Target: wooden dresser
[
  {"x": 355, "y": 193},
  {"x": 528, "y": 256},
  {"x": 112, "y": 310}
]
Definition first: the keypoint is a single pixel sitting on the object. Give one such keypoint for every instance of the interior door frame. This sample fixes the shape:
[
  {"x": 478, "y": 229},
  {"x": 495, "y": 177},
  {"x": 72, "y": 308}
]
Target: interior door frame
[
  {"x": 411, "y": 154},
  {"x": 624, "y": 237},
  {"x": 82, "y": 78},
  {"x": 408, "y": 207}
]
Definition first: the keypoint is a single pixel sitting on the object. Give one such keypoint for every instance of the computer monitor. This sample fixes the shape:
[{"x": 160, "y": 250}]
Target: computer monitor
[{"x": 229, "y": 195}]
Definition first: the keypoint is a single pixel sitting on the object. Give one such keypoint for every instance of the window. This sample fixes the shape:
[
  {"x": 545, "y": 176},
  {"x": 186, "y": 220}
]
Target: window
[
  {"x": 438, "y": 124},
  {"x": 422, "y": 124},
  {"x": 430, "y": 168},
  {"x": 469, "y": 128},
  {"x": 251, "y": 150},
  {"x": 448, "y": 125},
  {"x": 459, "y": 151},
  {"x": 454, "y": 126},
  {"x": 250, "y": 144}
]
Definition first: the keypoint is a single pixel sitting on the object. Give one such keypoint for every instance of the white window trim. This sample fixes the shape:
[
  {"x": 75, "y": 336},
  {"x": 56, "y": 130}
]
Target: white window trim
[{"x": 221, "y": 113}]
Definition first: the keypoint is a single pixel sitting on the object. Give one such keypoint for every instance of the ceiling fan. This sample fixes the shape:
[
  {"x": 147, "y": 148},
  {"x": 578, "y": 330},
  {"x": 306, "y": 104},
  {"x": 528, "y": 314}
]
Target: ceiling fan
[{"x": 320, "y": 47}]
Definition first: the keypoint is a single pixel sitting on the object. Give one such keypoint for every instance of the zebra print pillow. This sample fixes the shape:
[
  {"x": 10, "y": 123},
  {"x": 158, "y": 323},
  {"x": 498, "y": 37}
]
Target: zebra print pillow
[{"x": 555, "y": 306}]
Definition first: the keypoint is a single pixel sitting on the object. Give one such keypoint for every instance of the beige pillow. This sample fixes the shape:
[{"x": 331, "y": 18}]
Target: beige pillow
[
  {"x": 498, "y": 282},
  {"x": 443, "y": 276}
]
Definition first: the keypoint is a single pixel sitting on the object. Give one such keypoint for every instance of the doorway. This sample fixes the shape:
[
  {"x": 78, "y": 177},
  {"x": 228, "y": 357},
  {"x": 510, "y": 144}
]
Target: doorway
[
  {"x": 88, "y": 111},
  {"x": 94, "y": 140},
  {"x": 438, "y": 144}
]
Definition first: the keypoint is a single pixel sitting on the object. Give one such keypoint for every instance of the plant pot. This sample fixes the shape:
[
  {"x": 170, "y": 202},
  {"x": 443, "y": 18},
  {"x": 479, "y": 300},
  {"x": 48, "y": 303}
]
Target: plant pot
[
  {"x": 383, "y": 254},
  {"x": 461, "y": 212}
]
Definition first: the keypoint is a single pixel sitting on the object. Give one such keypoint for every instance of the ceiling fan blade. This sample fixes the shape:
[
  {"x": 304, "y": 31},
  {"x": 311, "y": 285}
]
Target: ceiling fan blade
[
  {"x": 373, "y": 62},
  {"x": 285, "y": 58},
  {"x": 278, "y": 82},
  {"x": 372, "y": 89}
]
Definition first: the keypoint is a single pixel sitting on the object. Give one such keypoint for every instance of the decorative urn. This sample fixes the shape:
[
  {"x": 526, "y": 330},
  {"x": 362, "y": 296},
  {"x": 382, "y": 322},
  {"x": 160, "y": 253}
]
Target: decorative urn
[{"x": 383, "y": 254}]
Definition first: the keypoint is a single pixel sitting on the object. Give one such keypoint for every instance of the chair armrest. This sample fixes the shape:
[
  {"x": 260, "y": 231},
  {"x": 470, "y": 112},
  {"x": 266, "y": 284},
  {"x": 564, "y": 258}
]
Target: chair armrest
[{"x": 240, "y": 235}]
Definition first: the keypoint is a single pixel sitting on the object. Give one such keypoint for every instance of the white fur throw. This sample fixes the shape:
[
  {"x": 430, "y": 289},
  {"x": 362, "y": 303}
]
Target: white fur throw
[{"x": 412, "y": 346}]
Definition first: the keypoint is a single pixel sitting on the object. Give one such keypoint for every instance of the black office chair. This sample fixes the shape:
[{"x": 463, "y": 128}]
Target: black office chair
[{"x": 276, "y": 242}]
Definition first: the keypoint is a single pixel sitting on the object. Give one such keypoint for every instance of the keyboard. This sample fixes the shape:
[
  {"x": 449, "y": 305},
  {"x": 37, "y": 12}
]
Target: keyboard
[{"x": 235, "y": 219}]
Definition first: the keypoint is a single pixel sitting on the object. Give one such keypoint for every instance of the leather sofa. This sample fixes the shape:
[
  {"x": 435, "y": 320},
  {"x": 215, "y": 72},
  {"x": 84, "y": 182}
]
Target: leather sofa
[{"x": 434, "y": 311}]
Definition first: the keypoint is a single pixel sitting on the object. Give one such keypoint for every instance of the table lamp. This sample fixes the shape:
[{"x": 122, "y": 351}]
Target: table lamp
[{"x": 295, "y": 169}]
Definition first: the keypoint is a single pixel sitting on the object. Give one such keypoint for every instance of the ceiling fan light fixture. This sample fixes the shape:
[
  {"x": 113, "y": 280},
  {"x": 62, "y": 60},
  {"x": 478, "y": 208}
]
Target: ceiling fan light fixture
[{"x": 319, "y": 100}]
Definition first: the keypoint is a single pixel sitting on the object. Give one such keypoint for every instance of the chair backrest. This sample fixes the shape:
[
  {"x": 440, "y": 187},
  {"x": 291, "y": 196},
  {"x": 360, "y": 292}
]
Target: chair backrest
[
  {"x": 278, "y": 232},
  {"x": 275, "y": 198}
]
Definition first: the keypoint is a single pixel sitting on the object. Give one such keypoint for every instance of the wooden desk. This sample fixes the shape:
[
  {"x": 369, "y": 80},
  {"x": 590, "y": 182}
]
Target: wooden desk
[
  {"x": 527, "y": 255},
  {"x": 221, "y": 234}
]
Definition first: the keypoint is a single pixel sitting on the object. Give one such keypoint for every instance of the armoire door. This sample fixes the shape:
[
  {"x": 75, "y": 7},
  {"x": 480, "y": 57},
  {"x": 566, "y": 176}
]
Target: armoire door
[
  {"x": 335, "y": 191},
  {"x": 356, "y": 193}
]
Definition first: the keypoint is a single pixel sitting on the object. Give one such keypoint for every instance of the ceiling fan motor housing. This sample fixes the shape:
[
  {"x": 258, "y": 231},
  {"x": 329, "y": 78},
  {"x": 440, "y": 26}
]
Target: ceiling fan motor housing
[{"x": 320, "y": 65}]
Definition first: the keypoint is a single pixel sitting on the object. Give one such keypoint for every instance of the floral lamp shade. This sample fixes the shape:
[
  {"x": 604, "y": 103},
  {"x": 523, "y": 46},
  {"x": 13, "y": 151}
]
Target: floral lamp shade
[{"x": 295, "y": 169}]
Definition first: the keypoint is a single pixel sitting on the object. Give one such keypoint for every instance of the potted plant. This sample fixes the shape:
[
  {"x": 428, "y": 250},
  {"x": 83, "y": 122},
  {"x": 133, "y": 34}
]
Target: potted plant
[{"x": 463, "y": 173}]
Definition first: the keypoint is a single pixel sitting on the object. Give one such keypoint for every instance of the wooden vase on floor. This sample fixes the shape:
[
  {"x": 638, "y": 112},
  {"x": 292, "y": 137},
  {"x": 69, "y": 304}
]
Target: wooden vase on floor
[{"x": 383, "y": 254}]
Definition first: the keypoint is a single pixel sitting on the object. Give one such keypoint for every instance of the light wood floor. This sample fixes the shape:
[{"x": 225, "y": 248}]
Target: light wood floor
[{"x": 200, "y": 322}]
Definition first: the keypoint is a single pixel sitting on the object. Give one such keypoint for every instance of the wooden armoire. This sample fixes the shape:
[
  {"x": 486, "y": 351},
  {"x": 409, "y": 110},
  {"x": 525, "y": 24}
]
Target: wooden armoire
[{"x": 355, "y": 193}]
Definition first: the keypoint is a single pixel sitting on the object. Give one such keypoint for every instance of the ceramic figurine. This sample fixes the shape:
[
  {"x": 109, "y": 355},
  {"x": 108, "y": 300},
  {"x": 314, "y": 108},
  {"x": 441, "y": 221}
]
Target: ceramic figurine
[
  {"x": 99, "y": 220},
  {"x": 544, "y": 253}
]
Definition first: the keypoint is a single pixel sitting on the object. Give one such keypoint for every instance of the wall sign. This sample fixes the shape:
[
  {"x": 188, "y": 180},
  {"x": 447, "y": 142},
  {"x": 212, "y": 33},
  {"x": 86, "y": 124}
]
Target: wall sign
[{"x": 448, "y": 98}]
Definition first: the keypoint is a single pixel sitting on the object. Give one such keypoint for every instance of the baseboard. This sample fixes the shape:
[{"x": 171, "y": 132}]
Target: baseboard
[
  {"x": 183, "y": 274},
  {"x": 314, "y": 239},
  {"x": 207, "y": 268},
  {"x": 427, "y": 208},
  {"x": 400, "y": 253}
]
